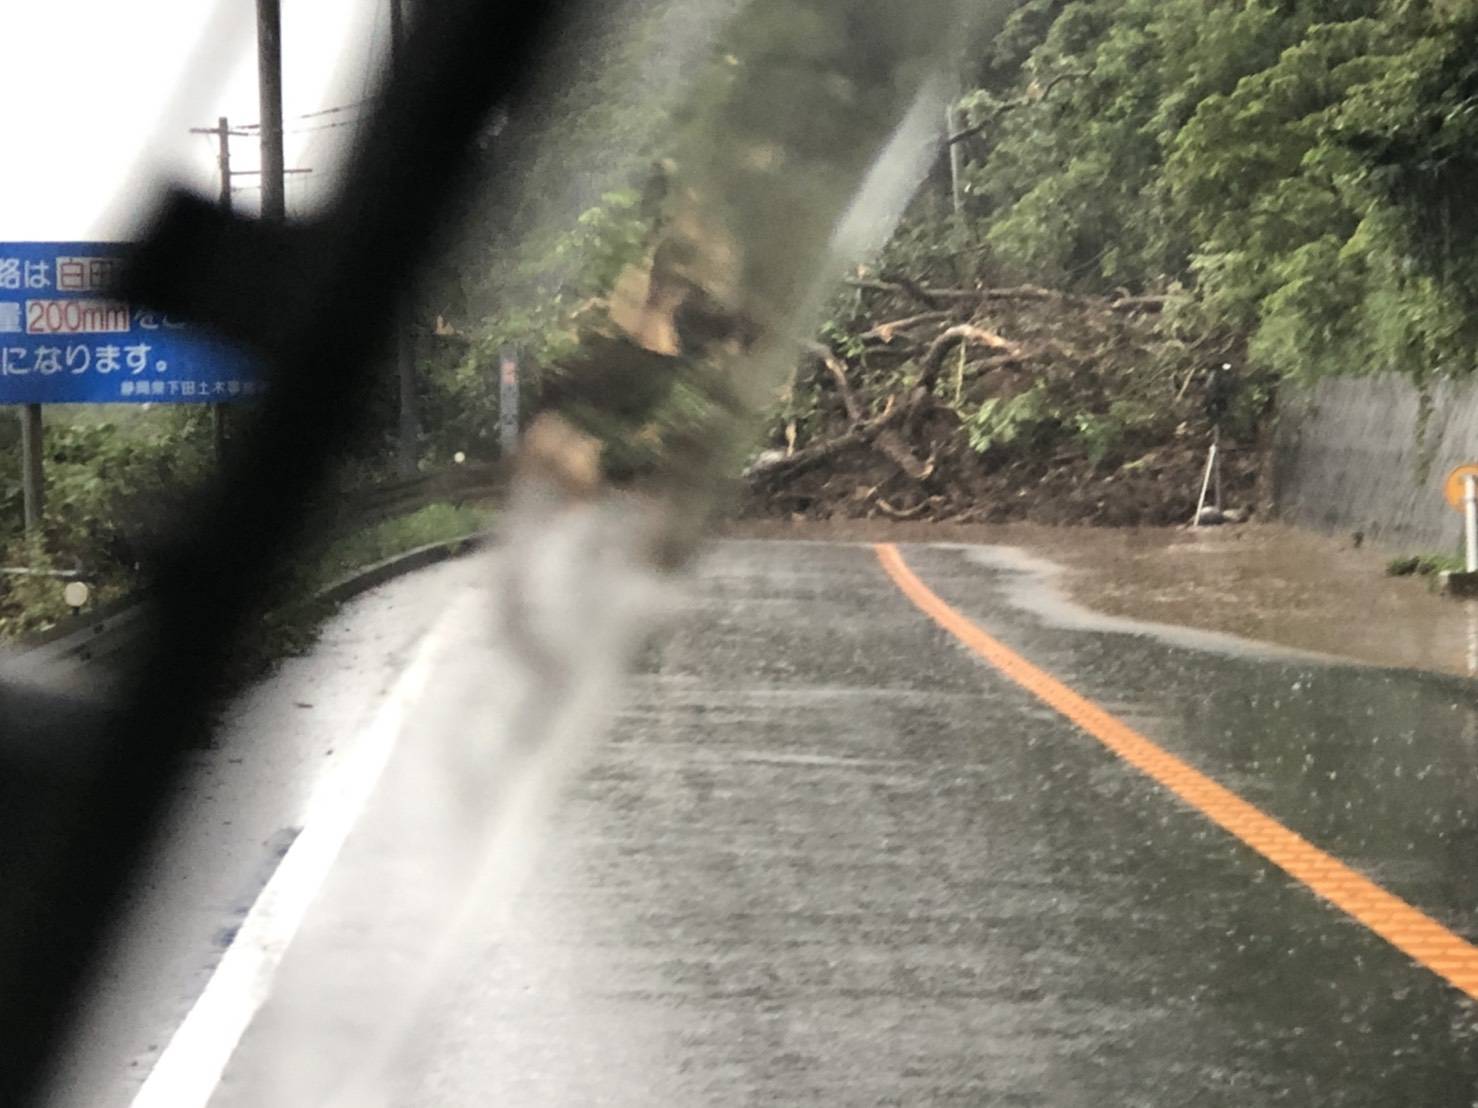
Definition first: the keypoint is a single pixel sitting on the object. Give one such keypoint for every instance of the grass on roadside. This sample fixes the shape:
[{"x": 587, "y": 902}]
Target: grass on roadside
[
  {"x": 292, "y": 626},
  {"x": 432, "y": 524},
  {"x": 1423, "y": 565}
]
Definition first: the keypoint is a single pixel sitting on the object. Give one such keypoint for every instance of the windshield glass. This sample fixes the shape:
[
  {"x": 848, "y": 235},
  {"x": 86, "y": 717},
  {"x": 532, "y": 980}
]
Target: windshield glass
[{"x": 806, "y": 551}]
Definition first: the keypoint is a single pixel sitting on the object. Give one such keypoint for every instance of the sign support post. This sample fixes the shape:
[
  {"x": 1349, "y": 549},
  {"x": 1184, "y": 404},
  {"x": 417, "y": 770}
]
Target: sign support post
[
  {"x": 508, "y": 403},
  {"x": 33, "y": 477}
]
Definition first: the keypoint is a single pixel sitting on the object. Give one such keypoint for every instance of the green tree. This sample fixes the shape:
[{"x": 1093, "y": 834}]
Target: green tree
[{"x": 1301, "y": 167}]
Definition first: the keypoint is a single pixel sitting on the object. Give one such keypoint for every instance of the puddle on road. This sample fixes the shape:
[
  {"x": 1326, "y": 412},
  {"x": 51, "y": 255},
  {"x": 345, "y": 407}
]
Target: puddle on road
[
  {"x": 1263, "y": 582},
  {"x": 1273, "y": 584},
  {"x": 1043, "y": 587}
]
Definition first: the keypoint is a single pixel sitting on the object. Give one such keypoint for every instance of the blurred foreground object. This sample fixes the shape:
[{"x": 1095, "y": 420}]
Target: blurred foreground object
[
  {"x": 771, "y": 156},
  {"x": 779, "y": 138},
  {"x": 614, "y": 479}
]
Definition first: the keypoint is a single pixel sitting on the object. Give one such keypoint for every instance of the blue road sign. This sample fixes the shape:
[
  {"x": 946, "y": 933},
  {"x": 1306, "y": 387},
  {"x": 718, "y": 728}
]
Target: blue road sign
[{"x": 66, "y": 338}]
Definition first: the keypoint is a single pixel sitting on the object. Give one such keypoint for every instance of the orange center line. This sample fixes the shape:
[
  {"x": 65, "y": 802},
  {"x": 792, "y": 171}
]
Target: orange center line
[{"x": 1408, "y": 929}]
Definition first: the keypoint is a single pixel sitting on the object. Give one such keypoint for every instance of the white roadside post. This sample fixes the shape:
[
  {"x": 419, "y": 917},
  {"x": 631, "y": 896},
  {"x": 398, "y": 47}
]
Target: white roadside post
[
  {"x": 1460, "y": 490},
  {"x": 1205, "y": 485},
  {"x": 1470, "y": 522},
  {"x": 76, "y": 595}
]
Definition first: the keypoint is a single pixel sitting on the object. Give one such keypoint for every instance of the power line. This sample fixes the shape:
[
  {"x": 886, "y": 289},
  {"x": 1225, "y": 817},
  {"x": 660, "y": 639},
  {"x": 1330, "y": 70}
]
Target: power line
[
  {"x": 222, "y": 132},
  {"x": 325, "y": 126},
  {"x": 320, "y": 113},
  {"x": 335, "y": 111}
]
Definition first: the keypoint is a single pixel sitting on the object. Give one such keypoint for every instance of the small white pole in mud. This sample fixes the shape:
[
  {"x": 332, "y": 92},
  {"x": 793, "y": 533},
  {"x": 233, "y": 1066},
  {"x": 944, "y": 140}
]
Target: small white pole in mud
[
  {"x": 1470, "y": 522},
  {"x": 1205, "y": 484},
  {"x": 1216, "y": 470}
]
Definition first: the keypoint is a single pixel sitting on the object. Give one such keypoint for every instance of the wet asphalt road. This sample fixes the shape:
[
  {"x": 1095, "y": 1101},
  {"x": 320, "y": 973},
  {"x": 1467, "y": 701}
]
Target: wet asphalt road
[
  {"x": 239, "y": 807},
  {"x": 828, "y": 856}
]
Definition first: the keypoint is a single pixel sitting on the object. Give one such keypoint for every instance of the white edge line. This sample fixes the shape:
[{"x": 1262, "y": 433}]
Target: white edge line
[{"x": 190, "y": 1067}]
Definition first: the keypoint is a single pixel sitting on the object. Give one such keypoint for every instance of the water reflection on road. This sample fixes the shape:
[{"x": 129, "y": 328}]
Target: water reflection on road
[
  {"x": 1264, "y": 582},
  {"x": 831, "y": 858}
]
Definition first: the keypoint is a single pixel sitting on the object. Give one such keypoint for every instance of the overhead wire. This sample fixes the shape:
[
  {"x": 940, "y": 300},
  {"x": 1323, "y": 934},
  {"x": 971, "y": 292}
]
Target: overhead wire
[
  {"x": 363, "y": 109},
  {"x": 365, "y": 100},
  {"x": 324, "y": 127},
  {"x": 317, "y": 114},
  {"x": 335, "y": 110}
]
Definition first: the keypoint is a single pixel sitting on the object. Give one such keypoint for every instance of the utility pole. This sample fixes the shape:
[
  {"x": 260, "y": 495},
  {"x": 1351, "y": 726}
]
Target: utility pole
[
  {"x": 223, "y": 136},
  {"x": 409, "y": 430},
  {"x": 956, "y": 160},
  {"x": 226, "y": 202},
  {"x": 964, "y": 262},
  {"x": 269, "y": 82}
]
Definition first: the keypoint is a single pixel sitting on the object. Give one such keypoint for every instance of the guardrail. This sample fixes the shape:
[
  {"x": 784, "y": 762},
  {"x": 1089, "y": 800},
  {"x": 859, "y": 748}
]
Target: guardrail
[
  {"x": 85, "y": 638},
  {"x": 96, "y": 637},
  {"x": 362, "y": 580},
  {"x": 101, "y": 634},
  {"x": 468, "y": 482}
]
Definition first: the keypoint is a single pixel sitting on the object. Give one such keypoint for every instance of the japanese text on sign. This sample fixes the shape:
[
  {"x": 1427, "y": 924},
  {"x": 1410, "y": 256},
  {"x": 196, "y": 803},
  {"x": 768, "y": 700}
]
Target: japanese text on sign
[{"x": 65, "y": 337}]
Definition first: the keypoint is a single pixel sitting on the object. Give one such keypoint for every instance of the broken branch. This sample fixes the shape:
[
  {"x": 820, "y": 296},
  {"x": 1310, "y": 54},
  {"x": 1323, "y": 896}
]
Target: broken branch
[
  {"x": 1138, "y": 304},
  {"x": 1011, "y": 106},
  {"x": 888, "y": 442},
  {"x": 933, "y": 360},
  {"x": 907, "y": 513},
  {"x": 811, "y": 455},
  {"x": 884, "y": 332},
  {"x": 838, "y": 373}
]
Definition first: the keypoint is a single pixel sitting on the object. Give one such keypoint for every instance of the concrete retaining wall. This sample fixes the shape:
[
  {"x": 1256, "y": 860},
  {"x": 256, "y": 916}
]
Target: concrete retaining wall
[{"x": 1370, "y": 454}]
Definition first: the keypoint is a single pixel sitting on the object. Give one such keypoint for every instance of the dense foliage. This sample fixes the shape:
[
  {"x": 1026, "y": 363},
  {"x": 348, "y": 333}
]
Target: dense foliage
[
  {"x": 1297, "y": 167},
  {"x": 1287, "y": 174}
]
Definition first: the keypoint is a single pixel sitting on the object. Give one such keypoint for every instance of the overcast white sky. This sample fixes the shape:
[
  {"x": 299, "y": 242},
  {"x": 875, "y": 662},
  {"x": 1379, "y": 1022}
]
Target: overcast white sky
[{"x": 100, "y": 96}]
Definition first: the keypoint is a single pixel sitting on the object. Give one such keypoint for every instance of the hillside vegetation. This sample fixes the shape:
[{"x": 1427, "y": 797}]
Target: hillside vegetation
[{"x": 1151, "y": 189}]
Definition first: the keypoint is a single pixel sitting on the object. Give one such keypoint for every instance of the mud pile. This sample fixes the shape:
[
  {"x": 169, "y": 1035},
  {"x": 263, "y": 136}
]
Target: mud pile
[{"x": 994, "y": 405}]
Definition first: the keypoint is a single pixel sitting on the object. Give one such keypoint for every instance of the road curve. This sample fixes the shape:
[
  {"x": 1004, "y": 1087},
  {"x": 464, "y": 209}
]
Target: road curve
[
  {"x": 829, "y": 856},
  {"x": 833, "y": 854}
]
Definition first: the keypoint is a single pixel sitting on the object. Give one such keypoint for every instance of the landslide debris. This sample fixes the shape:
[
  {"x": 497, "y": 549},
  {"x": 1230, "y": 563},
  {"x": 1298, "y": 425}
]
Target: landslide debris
[{"x": 999, "y": 404}]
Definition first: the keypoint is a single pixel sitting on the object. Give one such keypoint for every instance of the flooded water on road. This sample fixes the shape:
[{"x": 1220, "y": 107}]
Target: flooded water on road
[{"x": 1264, "y": 582}]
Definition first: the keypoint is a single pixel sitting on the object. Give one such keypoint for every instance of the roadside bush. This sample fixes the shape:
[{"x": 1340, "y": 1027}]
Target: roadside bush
[{"x": 111, "y": 489}]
